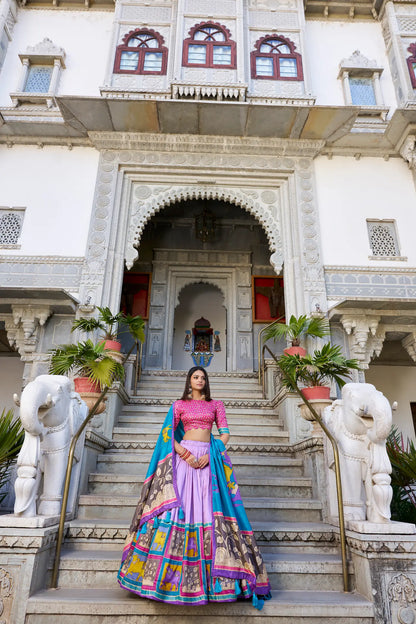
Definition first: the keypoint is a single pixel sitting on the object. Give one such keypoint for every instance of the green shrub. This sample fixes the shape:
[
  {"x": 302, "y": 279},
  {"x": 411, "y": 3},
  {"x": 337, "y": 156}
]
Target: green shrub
[
  {"x": 11, "y": 440},
  {"x": 402, "y": 457}
]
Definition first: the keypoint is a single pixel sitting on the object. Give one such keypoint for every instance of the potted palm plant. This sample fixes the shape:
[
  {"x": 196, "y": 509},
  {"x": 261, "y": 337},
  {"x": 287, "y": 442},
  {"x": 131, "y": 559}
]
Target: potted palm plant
[
  {"x": 296, "y": 329},
  {"x": 112, "y": 325},
  {"x": 94, "y": 366},
  {"x": 316, "y": 371}
]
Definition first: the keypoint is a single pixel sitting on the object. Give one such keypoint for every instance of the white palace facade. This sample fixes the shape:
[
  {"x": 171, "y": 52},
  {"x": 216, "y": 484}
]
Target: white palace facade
[
  {"x": 291, "y": 124},
  {"x": 223, "y": 160}
]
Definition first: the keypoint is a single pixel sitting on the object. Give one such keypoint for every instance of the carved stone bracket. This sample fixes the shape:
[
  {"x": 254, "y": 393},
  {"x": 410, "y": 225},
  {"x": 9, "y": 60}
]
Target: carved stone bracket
[
  {"x": 23, "y": 326},
  {"x": 409, "y": 343},
  {"x": 366, "y": 337},
  {"x": 407, "y": 151}
]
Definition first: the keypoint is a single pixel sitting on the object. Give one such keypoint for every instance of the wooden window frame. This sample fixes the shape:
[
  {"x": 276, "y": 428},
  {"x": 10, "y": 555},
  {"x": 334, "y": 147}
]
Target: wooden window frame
[
  {"x": 210, "y": 45},
  {"x": 410, "y": 60},
  {"x": 255, "y": 317},
  {"x": 124, "y": 47},
  {"x": 255, "y": 54}
]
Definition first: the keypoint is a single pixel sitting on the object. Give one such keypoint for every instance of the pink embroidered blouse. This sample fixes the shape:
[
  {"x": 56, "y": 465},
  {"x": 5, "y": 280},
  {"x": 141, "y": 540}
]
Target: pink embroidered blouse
[{"x": 201, "y": 415}]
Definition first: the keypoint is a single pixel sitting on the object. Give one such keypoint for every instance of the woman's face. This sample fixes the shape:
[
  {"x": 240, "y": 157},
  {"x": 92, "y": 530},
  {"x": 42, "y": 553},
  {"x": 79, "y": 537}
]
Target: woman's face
[{"x": 198, "y": 381}]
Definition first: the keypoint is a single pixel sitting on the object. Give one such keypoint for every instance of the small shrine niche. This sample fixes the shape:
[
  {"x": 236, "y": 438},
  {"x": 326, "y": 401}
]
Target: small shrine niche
[{"x": 202, "y": 342}]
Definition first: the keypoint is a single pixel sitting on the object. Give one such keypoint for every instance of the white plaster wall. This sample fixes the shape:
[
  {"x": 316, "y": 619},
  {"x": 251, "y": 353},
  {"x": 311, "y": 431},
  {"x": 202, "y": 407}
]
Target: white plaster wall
[
  {"x": 397, "y": 383},
  {"x": 11, "y": 374},
  {"x": 328, "y": 42},
  {"x": 85, "y": 36},
  {"x": 349, "y": 191},
  {"x": 56, "y": 186}
]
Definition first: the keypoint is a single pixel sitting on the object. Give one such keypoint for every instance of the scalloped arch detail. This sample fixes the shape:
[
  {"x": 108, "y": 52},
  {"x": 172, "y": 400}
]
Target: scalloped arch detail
[
  {"x": 210, "y": 281},
  {"x": 144, "y": 210}
]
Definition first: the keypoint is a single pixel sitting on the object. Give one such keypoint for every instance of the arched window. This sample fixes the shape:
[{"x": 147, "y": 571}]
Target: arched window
[
  {"x": 209, "y": 45},
  {"x": 411, "y": 64},
  {"x": 142, "y": 52},
  {"x": 274, "y": 58}
]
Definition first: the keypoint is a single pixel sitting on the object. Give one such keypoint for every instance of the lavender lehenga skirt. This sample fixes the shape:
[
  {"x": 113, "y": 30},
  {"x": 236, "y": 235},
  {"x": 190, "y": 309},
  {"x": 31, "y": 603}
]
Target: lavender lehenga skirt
[{"x": 172, "y": 558}]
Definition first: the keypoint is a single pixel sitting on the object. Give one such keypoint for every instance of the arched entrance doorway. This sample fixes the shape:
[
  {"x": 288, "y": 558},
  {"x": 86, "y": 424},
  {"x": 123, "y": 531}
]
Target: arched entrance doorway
[
  {"x": 221, "y": 245},
  {"x": 200, "y": 325}
]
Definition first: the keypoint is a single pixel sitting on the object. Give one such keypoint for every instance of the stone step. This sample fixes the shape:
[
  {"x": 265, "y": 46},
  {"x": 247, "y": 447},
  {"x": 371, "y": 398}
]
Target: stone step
[
  {"x": 273, "y": 509},
  {"x": 116, "y": 606},
  {"x": 280, "y": 487},
  {"x": 317, "y": 571},
  {"x": 256, "y": 420},
  {"x": 222, "y": 393},
  {"x": 250, "y": 448},
  {"x": 215, "y": 379},
  {"x": 240, "y": 434},
  {"x": 272, "y": 536},
  {"x": 160, "y": 411},
  {"x": 123, "y": 457},
  {"x": 235, "y": 402}
]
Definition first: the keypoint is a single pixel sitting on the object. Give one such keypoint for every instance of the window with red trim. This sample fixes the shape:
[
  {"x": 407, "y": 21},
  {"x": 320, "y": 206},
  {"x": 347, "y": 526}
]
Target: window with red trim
[
  {"x": 411, "y": 64},
  {"x": 142, "y": 52},
  {"x": 209, "y": 45},
  {"x": 274, "y": 58}
]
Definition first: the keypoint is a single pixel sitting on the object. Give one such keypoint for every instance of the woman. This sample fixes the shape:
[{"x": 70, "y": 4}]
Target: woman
[{"x": 190, "y": 541}]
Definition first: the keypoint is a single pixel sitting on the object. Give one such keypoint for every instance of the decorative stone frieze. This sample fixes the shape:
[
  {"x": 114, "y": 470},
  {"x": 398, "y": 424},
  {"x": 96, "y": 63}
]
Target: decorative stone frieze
[
  {"x": 366, "y": 283},
  {"x": 169, "y": 145},
  {"x": 40, "y": 272},
  {"x": 209, "y": 92}
]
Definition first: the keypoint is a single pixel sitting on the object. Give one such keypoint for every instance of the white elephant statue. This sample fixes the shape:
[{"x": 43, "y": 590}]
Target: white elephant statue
[
  {"x": 360, "y": 422},
  {"x": 50, "y": 413}
]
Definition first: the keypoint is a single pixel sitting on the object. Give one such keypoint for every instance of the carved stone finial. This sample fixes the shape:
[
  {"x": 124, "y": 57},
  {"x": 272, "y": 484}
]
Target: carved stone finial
[{"x": 46, "y": 47}]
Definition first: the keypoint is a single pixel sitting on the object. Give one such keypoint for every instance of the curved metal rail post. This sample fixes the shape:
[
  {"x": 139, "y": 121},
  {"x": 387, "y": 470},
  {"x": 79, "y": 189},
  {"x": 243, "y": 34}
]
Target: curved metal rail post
[
  {"x": 343, "y": 539},
  {"x": 91, "y": 413},
  {"x": 59, "y": 539}
]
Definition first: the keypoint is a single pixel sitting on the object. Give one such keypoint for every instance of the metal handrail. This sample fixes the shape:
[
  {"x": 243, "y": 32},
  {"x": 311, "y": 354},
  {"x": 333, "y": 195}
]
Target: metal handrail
[
  {"x": 138, "y": 365},
  {"x": 68, "y": 474},
  {"x": 343, "y": 539},
  {"x": 260, "y": 352}
]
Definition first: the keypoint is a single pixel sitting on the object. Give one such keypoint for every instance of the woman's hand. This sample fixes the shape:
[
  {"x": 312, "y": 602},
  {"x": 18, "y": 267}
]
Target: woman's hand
[
  {"x": 203, "y": 461},
  {"x": 192, "y": 461}
]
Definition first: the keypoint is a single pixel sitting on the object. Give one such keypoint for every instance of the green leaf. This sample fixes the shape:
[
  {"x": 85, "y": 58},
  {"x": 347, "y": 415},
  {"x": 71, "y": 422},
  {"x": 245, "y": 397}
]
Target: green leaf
[{"x": 11, "y": 440}]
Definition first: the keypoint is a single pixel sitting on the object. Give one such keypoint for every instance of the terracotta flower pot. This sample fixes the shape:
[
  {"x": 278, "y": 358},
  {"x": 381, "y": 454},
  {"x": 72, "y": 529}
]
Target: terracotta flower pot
[
  {"x": 84, "y": 384},
  {"x": 89, "y": 393},
  {"x": 295, "y": 351},
  {"x": 114, "y": 345},
  {"x": 316, "y": 392}
]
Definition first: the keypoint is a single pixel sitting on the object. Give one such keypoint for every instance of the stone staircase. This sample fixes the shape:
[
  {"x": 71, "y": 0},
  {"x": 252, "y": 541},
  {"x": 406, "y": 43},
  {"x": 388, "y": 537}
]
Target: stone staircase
[{"x": 301, "y": 552}]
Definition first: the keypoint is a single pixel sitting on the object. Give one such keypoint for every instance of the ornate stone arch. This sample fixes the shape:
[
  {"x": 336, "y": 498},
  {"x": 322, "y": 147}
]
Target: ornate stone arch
[{"x": 150, "y": 200}]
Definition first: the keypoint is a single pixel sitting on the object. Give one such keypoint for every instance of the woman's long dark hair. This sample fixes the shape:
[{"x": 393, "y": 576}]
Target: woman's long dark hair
[{"x": 186, "y": 396}]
